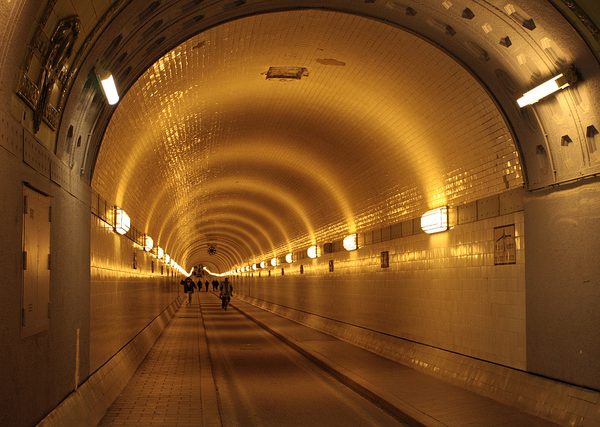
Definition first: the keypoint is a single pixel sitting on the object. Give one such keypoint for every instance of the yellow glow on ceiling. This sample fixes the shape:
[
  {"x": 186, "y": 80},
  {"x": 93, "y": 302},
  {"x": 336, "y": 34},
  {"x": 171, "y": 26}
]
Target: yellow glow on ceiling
[{"x": 384, "y": 126}]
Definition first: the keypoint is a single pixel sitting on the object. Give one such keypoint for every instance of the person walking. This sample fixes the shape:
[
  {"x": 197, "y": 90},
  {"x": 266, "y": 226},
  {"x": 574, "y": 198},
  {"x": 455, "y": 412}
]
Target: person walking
[
  {"x": 205, "y": 285},
  {"x": 226, "y": 292},
  {"x": 188, "y": 288}
]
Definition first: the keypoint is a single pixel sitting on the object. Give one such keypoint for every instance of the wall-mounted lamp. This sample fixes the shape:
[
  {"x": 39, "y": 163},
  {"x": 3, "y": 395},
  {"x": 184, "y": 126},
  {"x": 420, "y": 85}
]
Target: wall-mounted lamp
[
  {"x": 274, "y": 262},
  {"x": 435, "y": 220},
  {"x": 108, "y": 87},
  {"x": 313, "y": 252},
  {"x": 160, "y": 252},
  {"x": 254, "y": 267},
  {"x": 351, "y": 242},
  {"x": 289, "y": 258},
  {"x": 148, "y": 243},
  {"x": 263, "y": 264},
  {"x": 561, "y": 81},
  {"x": 122, "y": 221},
  {"x": 167, "y": 259}
]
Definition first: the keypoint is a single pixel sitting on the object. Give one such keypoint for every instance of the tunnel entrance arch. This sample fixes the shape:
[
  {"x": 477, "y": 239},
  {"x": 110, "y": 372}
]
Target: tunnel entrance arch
[{"x": 528, "y": 54}]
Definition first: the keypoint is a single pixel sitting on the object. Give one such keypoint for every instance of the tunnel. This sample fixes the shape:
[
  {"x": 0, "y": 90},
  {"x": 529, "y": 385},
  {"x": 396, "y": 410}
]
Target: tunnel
[{"x": 369, "y": 169}]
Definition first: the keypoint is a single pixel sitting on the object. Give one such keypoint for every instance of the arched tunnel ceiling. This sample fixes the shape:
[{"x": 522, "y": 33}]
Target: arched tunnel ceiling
[{"x": 383, "y": 125}]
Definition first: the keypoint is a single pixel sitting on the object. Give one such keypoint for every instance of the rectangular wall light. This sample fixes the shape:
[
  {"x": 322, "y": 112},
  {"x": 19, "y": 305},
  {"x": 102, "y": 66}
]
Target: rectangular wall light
[
  {"x": 435, "y": 220},
  {"x": 110, "y": 89},
  {"x": 547, "y": 88},
  {"x": 122, "y": 221},
  {"x": 351, "y": 242}
]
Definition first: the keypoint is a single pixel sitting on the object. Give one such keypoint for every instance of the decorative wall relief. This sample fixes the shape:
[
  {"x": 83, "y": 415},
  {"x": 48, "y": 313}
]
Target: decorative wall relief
[{"x": 46, "y": 67}]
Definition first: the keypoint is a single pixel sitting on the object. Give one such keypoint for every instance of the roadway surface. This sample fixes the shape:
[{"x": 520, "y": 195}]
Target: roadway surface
[
  {"x": 261, "y": 381},
  {"x": 249, "y": 367},
  {"x": 257, "y": 380}
]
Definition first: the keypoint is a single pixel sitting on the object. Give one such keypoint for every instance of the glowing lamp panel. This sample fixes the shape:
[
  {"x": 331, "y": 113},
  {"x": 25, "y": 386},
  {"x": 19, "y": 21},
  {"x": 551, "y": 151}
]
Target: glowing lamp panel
[
  {"x": 547, "y": 88},
  {"x": 110, "y": 90},
  {"x": 435, "y": 220},
  {"x": 148, "y": 243},
  {"x": 351, "y": 242},
  {"x": 122, "y": 221}
]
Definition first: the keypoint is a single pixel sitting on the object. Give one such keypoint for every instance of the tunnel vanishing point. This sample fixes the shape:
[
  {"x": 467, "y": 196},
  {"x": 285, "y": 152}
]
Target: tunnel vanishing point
[{"x": 306, "y": 149}]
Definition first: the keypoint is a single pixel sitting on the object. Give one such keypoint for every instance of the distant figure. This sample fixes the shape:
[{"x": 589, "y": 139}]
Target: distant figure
[
  {"x": 188, "y": 288},
  {"x": 226, "y": 292},
  {"x": 205, "y": 285},
  {"x": 215, "y": 284}
]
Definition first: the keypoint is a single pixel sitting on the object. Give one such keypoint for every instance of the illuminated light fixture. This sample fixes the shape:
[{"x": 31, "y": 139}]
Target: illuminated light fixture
[
  {"x": 160, "y": 252},
  {"x": 289, "y": 258},
  {"x": 254, "y": 267},
  {"x": 263, "y": 264},
  {"x": 148, "y": 243},
  {"x": 122, "y": 221},
  {"x": 351, "y": 242},
  {"x": 313, "y": 251},
  {"x": 274, "y": 262},
  {"x": 547, "y": 88},
  {"x": 435, "y": 220},
  {"x": 167, "y": 259},
  {"x": 109, "y": 88}
]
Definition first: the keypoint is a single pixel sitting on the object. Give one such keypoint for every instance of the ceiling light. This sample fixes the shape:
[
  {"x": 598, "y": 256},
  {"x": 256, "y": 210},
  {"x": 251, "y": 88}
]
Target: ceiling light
[
  {"x": 435, "y": 220},
  {"x": 556, "y": 83},
  {"x": 351, "y": 242},
  {"x": 110, "y": 89},
  {"x": 122, "y": 221}
]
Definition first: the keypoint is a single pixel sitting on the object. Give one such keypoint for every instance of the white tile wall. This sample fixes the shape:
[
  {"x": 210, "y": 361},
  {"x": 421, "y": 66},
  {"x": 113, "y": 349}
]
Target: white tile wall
[{"x": 441, "y": 290}]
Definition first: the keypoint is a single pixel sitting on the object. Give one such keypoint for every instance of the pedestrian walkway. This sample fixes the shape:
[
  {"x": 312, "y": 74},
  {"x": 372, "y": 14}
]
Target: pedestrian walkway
[{"x": 174, "y": 386}]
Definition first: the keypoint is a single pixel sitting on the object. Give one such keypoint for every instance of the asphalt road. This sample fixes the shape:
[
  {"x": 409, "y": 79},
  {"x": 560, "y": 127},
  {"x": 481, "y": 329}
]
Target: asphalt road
[{"x": 261, "y": 381}]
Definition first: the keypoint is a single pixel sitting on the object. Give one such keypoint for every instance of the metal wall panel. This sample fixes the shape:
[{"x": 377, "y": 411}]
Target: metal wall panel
[{"x": 36, "y": 263}]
